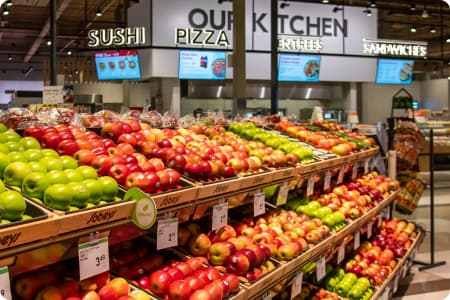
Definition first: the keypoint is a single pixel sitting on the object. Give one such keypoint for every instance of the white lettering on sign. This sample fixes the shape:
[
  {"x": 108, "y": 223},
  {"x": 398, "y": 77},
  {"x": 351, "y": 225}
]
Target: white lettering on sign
[
  {"x": 295, "y": 43},
  {"x": 201, "y": 37},
  {"x": 394, "y": 48},
  {"x": 130, "y": 36}
]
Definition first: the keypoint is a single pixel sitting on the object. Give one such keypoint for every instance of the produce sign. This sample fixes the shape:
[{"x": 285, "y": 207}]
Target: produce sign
[
  {"x": 202, "y": 65},
  {"x": 394, "y": 71},
  {"x": 117, "y": 65},
  {"x": 298, "y": 68}
]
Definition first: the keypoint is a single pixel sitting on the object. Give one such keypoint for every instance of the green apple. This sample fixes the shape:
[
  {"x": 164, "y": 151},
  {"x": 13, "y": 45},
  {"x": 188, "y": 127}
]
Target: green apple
[
  {"x": 35, "y": 184},
  {"x": 30, "y": 142},
  {"x": 58, "y": 196},
  {"x": 33, "y": 154},
  {"x": 17, "y": 156},
  {"x": 3, "y": 127},
  {"x": 13, "y": 205},
  {"x": 4, "y": 161},
  {"x": 80, "y": 194},
  {"x": 37, "y": 166},
  {"x": 68, "y": 162},
  {"x": 49, "y": 152},
  {"x": 88, "y": 172},
  {"x": 15, "y": 146},
  {"x": 51, "y": 163},
  {"x": 4, "y": 148},
  {"x": 2, "y": 186},
  {"x": 73, "y": 175},
  {"x": 110, "y": 188},
  {"x": 57, "y": 176},
  {"x": 11, "y": 136},
  {"x": 95, "y": 188},
  {"x": 15, "y": 172}
]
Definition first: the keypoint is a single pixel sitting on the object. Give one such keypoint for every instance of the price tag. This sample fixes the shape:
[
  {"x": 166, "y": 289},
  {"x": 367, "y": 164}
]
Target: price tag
[
  {"x": 93, "y": 257},
  {"x": 327, "y": 181},
  {"x": 369, "y": 229},
  {"x": 296, "y": 287},
  {"x": 310, "y": 187},
  {"x": 283, "y": 193},
  {"x": 341, "y": 174},
  {"x": 387, "y": 212},
  {"x": 220, "y": 215},
  {"x": 366, "y": 166},
  {"x": 355, "y": 171},
  {"x": 259, "y": 204},
  {"x": 394, "y": 289},
  {"x": 357, "y": 240},
  {"x": 341, "y": 253},
  {"x": 5, "y": 284},
  {"x": 380, "y": 218},
  {"x": 300, "y": 182},
  {"x": 266, "y": 296},
  {"x": 321, "y": 268},
  {"x": 167, "y": 234}
]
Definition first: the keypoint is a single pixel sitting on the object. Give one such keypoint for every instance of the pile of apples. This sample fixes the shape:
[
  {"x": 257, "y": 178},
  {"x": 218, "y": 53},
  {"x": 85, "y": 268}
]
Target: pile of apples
[
  {"x": 227, "y": 251},
  {"x": 45, "y": 285},
  {"x": 348, "y": 285},
  {"x": 285, "y": 152},
  {"x": 12, "y": 206},
  {"x": 395, "y": 235},
  {"x": 322, "y": 139}
]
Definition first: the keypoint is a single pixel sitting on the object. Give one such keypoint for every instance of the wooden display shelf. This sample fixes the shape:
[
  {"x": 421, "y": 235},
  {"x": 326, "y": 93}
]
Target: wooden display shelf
[
  {"x": 263, "y": 177},
  {"x": 284, "y": 173},
  {"x": 265, "y": 281},
  {"x": 218, "y": 188},
  {"x": 187, "y": 193}
]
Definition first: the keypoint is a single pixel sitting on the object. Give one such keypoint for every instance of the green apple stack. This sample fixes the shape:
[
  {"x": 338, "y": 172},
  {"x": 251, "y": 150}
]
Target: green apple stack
[
  {"x": 110, "y": 188},
  {"x": 58, "y": 196},
  {"x": 12, "y": 205}
]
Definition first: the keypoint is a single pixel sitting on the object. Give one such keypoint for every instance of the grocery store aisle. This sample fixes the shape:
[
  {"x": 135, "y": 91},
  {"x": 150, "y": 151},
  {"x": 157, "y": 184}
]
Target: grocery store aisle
[{"x": 432, "y": 283}]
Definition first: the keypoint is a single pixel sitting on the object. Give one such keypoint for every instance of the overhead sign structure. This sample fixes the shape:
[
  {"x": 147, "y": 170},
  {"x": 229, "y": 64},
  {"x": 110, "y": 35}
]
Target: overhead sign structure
[{"x": 379, "y": 47}]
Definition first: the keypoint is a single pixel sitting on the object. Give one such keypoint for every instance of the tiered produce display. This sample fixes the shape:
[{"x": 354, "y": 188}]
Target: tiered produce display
[{"x": 67, "y": 182}]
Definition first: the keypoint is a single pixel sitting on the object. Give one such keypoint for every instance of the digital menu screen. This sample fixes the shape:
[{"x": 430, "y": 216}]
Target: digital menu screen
[
  {"x": 202, "y": 65},
  {"x": 394, "y": 71},
  {"x": 294, "y": 67},
  {"x": 117, "y": 65}
]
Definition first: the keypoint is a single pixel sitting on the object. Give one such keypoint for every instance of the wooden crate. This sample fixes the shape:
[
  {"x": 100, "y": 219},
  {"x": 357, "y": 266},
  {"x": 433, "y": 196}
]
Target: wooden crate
[
  {"x": 218, "y": 188},
  {"x": 248, "y": 181},
  {"x": 187, "y": 193},
  {"x": 284, "y": 173}
]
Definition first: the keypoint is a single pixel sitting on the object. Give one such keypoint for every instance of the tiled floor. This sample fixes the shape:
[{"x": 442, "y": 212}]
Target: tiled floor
[{"x": 433, "y": 283}]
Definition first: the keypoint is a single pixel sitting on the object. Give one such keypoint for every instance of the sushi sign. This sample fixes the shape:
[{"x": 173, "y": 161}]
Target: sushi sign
[
  {"x": 129, "y": 36},
  {"x": 395, "y": 48}
]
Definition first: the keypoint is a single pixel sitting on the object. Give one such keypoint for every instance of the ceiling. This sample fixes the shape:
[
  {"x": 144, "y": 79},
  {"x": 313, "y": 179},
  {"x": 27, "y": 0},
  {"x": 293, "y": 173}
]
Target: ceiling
[{"x": 25, "y": 31}]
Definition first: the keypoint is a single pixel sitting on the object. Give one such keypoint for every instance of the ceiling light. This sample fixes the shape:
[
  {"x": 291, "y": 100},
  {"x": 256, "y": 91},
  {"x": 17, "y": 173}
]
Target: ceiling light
[
  {"x": 5, "y": 11},
  {"x": 49, "y": 42},
  {"x": 432, "y": 29},
  {"x": 448, "y": 40},
  {"x": 69, "y": 52},
  {"x": 413, "y": 28},
  {"x": 368, "y": 12},
  {"x": 325, "y": 1},
  {"x": 412, "y": 6},
  {"x": 425, "y": 14},
  {"x": 372, "y": 3},
  {"x": 8, "y": 3},
  {"x": 10, "y": 58},
  {"x": 98, "y": 12},
  {"x": 448, "y": 77}
]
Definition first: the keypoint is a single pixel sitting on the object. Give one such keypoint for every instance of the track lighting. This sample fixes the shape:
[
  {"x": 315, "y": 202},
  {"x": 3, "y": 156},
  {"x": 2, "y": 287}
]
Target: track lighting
[
  {"x": 98, "y": 12},
  {"x": 413, "y": 28}
]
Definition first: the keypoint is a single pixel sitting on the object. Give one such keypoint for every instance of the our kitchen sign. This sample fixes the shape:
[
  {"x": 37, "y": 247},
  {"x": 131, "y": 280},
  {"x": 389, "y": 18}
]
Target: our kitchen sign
[{"x": 302, "y": 27}]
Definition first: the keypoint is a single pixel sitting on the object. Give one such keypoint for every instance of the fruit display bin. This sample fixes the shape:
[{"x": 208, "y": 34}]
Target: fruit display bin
[
  {"x": 263, "y": 176},
  {"x": 217, "y": 187},
  {"x": 178, "y": 196},
  {"x": 24, "y": 231}
]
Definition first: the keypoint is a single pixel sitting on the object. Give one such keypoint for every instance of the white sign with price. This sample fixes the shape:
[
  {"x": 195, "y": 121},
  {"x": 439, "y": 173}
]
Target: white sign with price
[
  {"x": 341, "y": 174},
  {"x": 355, "y": 171},
  {"x": 369, "y": 229},
  {"x": 310, "y": 187},
  {"x": 93, "y": 257},
  {"x": 5, "y": 284},
  {"x": 357, "y": 241},
  {"x": 321, "y": 269},
  {"x": 283, "y": 193},
  {"x": 327, "y": 181},
  {"x": 259, "y": 204},
  {"x": 296, "y": 287},
  {"x": 220, "y": 215},
  {"x": 366, "y": 165},
  {"x": 341, "y": 253},
  {"x": 167, "y": 233}
]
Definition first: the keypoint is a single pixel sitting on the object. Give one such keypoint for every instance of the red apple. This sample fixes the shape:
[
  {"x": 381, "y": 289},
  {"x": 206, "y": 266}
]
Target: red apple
[
  {"x": 160, "y": 281},
  {"x": 233, "y": 282},
  {"x": 238, "y": 264},
  {"x": 194, "y": 282},
  {"x": 200, "y": 294},
  {"x": 180, "y": 290},
  {"x": 107, "y": 292},
  {"x": 214, "y": 290},
  {"x": 50, "y": 140},
  {"x": 137, "y": 179}
]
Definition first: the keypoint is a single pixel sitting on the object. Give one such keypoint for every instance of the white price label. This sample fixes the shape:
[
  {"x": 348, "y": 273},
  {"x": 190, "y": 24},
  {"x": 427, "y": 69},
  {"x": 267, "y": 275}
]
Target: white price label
[
  {"x": 327, "y": 181},
  {"x": 283, "y": 193},
  {"x": 369, "y": 229},
  {"x": 357, "y": 240},
  {"x": 167, "y": 233},
  {"x": 220, "y": 215},
  {"x": 93, "y": 257},
  {"x": 355, "y": 171},
  {"x": 259, "y": 204},
  {"x": 321, "y": 268},
  {"x": 5, "y": 284},
  {"x": 341, "y": 253},
  {"x": 310, "y": 187},
  {"x": 296, "y": 287},
  {"x": 266, "y": 296},
  {"x": 395, "y": 283},
  {"x": 387, "y": 212},
  {"x": 366, "y": 166},
  {"x": 341, "y": 174}
]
